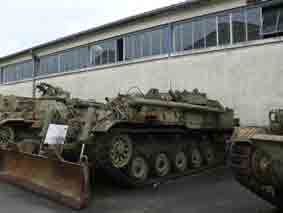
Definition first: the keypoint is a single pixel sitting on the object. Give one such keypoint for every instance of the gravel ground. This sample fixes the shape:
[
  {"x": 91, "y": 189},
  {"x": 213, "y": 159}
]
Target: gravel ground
[{"x": 210, "y": 192}]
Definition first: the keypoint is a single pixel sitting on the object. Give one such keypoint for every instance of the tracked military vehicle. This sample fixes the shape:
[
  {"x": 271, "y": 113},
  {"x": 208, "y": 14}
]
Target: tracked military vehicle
[
  {"x": 136, "y": 138},
  {"x": 154, "y": 136},
  {"x": 257, "y": 158}
]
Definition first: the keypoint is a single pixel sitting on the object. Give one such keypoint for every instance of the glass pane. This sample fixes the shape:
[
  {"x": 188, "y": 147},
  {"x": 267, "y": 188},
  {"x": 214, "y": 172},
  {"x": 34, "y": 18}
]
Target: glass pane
[
  {"x": 111, "y": 48},
  {"x": 156, "y": 42},
  {"x": 104, "y": 53},
  {"x": 48, "y": 65},
  {"x": 187, "y": 36},
  {"x": 146, "y": 50},
  {"x": 10, "y": 73},
  {"x": 27, "y": 70},
  {"x": 269, "y": 20},
  {"x": 224, "y": 29},
  {"x": 137, "y": 46},
  {"x": 253, "y": 21},
  {"x": 74, "y": 59},
  {"x": 97, "y": 54},
  {"x": 165, "y": 40},
  {"x": 199, "y": 36},
  {"x": 129, "y": 48},
  {"x": 210, "y": 32},
  {"x": 280, "y": 24},
  {"x": 239, "y": 27},
  {"x": 177, "y": 38}
]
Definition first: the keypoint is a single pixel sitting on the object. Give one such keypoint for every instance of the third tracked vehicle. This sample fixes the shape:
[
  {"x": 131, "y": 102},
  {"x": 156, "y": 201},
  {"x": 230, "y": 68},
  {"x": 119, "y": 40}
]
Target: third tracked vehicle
[{"x": 257, "y": 158}]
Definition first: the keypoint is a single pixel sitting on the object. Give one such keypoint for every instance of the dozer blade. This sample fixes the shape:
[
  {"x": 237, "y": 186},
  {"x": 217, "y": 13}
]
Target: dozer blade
[{"x": 61, "y": 181}]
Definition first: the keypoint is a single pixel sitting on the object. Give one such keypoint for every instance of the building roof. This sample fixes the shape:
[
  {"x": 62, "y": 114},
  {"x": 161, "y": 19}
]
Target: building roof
[{"x": 182, "y": 5}]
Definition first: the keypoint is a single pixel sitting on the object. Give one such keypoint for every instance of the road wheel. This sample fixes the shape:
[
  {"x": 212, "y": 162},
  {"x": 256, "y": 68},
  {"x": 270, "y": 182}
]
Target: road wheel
[
  {"x": 121, "y": 151},
  {"x": 261, "y": 165},
  {"x": 208, "y": 154},
  {"x": 139, "y": 169},
  {"x": 162, "y": 165},
  {"x": 195, "y": 157},
  {"x": 180, "y": 161},
  {"x": 6, "y": 135}
]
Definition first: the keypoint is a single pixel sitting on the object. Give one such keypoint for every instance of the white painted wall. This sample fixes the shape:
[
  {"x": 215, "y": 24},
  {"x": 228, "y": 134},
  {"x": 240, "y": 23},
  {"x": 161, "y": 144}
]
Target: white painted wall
[{"x": 21, "y": 89}]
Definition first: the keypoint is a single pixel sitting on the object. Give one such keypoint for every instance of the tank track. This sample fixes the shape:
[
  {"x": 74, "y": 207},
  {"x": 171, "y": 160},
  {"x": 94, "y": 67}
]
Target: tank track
[
  {"x": 121, "y": 176},
  {"x": 240, "y": 163}
]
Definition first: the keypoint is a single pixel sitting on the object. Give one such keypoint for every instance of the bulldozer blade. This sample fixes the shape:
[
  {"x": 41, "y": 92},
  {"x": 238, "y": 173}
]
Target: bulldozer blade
[{"x": 62, "y": 181}]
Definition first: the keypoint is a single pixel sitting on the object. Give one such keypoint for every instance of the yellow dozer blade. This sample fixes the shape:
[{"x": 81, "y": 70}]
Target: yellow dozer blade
[{"x": 61, "y": 181}]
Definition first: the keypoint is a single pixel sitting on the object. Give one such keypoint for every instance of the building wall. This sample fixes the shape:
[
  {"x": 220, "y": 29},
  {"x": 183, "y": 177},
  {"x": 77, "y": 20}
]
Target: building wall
[
  {"x": 21, "y": 88},
  {"x": 244, "y": 78}
]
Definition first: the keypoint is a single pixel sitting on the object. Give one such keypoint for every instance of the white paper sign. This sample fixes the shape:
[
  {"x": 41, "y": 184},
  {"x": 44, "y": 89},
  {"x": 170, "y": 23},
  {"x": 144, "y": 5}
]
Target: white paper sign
[{"x": 56, "y": 134}]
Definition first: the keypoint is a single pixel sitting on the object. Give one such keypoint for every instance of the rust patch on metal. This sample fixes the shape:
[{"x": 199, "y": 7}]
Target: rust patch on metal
[{"x": 65, "y": 182}]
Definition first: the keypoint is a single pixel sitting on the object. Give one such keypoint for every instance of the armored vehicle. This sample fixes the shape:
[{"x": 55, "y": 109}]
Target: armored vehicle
[
  {"x": 135, "y": 138},
  {"x": 154, "y": 136},
  {"x": 257, "y": 158}
]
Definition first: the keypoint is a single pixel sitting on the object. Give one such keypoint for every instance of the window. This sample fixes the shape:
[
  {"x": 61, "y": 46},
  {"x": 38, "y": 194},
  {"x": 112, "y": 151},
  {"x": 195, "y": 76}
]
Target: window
[
  {"x": 280, "y": 20},
  {"x": 48, "y": 65},
  {"x": 120, "y": 49},
  {"x": 177, "y": 36},
  {"x": 147, "y": 43},
  {"x": 224, "y": 29},
  {"x": 156, "y": 44},
  {"x": 17, "y": 72},
  {"x": 270, "y": 16},
  {"x": 210, "y": 32},
  {"x": 254, "y": 23},
  {"x": 239, "y": 26},
  {"x": 165, "y": 40},
  {"x": 187, "y": 36},
  {"x": 183, "y": 37},
  {"x": 76, "y": 58},
  {"x": 104, "y": 53},
  {"x": 199, "y": 35},
  {"x": 272, "y": 21}
]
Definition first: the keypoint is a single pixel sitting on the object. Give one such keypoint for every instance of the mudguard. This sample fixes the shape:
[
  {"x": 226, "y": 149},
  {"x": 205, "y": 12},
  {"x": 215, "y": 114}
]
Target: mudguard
[{"x": 62, "y": 181}]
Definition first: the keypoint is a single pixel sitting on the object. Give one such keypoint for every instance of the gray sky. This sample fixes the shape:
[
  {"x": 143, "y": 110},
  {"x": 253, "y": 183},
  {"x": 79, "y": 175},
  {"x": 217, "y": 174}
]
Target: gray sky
[{"x": 25, "y": 23}]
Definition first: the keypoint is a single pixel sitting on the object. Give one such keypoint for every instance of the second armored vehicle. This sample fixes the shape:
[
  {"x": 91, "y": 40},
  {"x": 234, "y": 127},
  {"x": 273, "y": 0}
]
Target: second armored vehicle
[{"x": 257, "y": 158}]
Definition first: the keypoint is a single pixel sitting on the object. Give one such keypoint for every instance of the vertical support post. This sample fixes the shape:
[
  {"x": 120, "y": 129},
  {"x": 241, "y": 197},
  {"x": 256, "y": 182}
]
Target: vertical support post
[{"x": 34, "y": 72}]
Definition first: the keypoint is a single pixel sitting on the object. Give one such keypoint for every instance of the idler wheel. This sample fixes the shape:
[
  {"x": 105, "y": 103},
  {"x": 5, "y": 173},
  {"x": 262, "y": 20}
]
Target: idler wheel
[
  {"x": 121, "y": 151},
  {"x": 6, "y": 135},
  {"x": 162, "y": 165},
  {"x": 180, "y": 162},
  {"x": 195, "y": 157},
  {"x": 139, "y": 169}
]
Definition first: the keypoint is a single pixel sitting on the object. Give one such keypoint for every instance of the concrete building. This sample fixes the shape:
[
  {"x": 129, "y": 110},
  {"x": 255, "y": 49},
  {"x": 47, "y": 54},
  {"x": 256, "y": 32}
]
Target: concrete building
[{"x": 231, "y": 50}]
